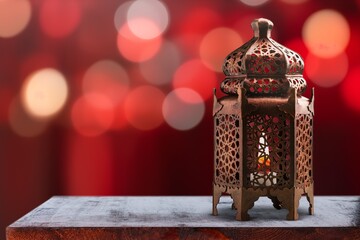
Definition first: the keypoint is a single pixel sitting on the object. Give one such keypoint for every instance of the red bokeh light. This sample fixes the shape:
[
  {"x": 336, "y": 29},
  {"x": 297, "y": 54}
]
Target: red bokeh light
[
  {"x": 90, "y": 119},
  {"x": 195, "y": 75},
  {"x": 143, "y": 107},
  {"x": 59, "y": 18},
  {"x": 134, "y": 48}
]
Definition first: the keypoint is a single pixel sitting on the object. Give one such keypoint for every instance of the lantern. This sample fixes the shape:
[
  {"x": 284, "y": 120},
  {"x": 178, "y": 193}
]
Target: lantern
[{"x": 263, "y": 127}]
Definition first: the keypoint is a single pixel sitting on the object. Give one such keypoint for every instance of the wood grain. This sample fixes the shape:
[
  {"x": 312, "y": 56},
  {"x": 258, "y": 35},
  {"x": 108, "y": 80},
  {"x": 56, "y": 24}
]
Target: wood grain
[{"x": 183, "y": 218}]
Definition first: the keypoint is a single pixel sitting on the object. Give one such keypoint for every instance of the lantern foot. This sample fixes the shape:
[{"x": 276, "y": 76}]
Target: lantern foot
[
  {"x": 310, "y": 197},
  {"x": 289, "y": 199},
  {"x": 217, "y": 191},
  {"x": 276, "y": 202}
]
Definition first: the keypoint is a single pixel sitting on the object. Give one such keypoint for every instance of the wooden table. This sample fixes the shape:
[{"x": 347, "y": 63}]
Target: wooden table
[{"x": 183, "y": 218}]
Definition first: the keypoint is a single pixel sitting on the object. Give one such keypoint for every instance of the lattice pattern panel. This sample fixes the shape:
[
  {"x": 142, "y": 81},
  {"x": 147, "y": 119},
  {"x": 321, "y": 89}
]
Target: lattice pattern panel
[
  {"x": 267, "y": 150},
  {"x": 227, "y": 155},
  {"x": 296, "y": 64},
  {"x": 299, "y": 83},
  {"x": 234, "y": 62},
  {"x": 264, "y": 58},
  {"x": 304, "y": 132},
  {"x": 230, "y": 86},
  {"x": 266, "y": 86}
]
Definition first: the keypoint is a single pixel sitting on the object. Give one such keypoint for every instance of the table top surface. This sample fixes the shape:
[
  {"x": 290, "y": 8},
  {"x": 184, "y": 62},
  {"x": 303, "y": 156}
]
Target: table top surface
[{"x": 161, "y": 211}]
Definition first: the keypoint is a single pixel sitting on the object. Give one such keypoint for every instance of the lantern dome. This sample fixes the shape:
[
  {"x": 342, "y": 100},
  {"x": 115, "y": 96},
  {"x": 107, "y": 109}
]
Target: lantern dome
[{"x": 262, "y": 66}]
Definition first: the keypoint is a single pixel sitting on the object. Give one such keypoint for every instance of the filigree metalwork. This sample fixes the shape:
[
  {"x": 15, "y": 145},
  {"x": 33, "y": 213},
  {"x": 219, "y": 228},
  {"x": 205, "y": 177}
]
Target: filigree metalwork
[{"x": 263, "y": 127}]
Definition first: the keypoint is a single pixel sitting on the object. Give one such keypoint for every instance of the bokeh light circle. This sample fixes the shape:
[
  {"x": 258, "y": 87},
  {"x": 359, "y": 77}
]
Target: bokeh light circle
[
  {"x": 147, "y": 18},
  {"x": 350, "y": 89},
  {"x": 14, "y": 17},
  {"x": 160, "y": 69},
  {"x": 294, "y": 1},
  {"x": 254, "y": 3},
  {"x": 195, "y": 75},
  {"x": 59, "y": 18},
  {"x": 44, "y": 93},
  {"x": 183, "y": 109},
  {"x": 216, "y": 45},
  {"x": 120, "y": 16},
  {"x": 143, "y": 107},
  {"x": 22, "y": 123},
  {"x": 136, "y": 49},
  {"x": 92, "y": 118},
  {"x": 106, "y": 77},
  {"x": 326, "y": 33},
  {"x": 326, "y": 72}
]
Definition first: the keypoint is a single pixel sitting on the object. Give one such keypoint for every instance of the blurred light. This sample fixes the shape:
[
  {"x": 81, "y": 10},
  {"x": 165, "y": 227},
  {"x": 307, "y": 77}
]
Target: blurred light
[
  {"x": 294, "y": 1},
  {"x": 143, "y": 107},
  {"x": 147, "y": 18},
  {"x": 254, "y": 3},
  {"x": 22, "y": 124},
  {"x": 120, "y": 17},
  {"x": 216, "y": 45},
  {"x": 89, "y": 166},
  {"x": 14, "y": 17},
  {"x": 326, "y": 72},
  {"x": 92, "y": 118},
  {"x": 59, "y": 18},
  {"x": 160, "y": 69},
  {"x": 326, "y": 33},
  {"x": 195, "y": 75},
  {"x": 120, "y": 120},
  {"x": 36, "y": 61},
  {"x": 134, "y": 48},
  {"x": 44, "y": 93},
  {"x": 108, "y": 78},
  {"x": 183, "y": 109},
  {"x": 350, "y": 89}
]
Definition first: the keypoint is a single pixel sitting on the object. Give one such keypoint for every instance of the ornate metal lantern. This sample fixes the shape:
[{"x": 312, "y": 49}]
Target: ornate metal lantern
[{"x": 263, "y": 127}]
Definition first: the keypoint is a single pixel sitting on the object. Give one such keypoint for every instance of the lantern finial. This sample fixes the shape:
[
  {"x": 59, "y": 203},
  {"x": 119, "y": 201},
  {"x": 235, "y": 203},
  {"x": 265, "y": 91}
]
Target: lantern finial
[{"x": 262, "y": 27}]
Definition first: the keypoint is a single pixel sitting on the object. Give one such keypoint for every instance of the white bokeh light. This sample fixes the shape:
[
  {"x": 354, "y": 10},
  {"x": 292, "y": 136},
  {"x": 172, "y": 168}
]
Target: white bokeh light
[
  {"x": 254, "y": 3},
  {"x": 44, "y": 93},
  {"x": 147, "y": 19},
  {"x": 183, "y": 109},
  {"x": 120, "y": 17}
]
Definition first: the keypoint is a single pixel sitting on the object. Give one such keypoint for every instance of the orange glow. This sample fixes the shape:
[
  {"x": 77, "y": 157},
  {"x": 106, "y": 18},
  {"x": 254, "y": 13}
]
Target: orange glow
[
  {"x": 22, "y": 124},
  {"x": 134, "y": 48},
  {"x": 350, "y": 89},
  {"x": 59, "y": 18},
  {"x": 14, "y": 17},
  {"x": 195, "y": 75},
  {"x": 326, "y": 72},
  {"x": 263, "y": 161},
  {"x": 108, "y": 78},
  {"x": 183, "y": 109},
  {"x": 216, "y": 45},
  {"x": 44, "y": 93},
  {"x": 143, "y": 107},
  {"x": 326, "y": 33},
  {"x": 92, "y": 118},
  {"x": 147, "y": 19}
]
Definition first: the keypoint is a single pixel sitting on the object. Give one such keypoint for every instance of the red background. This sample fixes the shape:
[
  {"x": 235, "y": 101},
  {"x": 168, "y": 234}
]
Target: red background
[{"x": 162, "y": 160}]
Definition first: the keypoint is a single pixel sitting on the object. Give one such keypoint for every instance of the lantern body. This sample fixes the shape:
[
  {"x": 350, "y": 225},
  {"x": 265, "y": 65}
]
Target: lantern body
[{"x": 263, "y": 127}]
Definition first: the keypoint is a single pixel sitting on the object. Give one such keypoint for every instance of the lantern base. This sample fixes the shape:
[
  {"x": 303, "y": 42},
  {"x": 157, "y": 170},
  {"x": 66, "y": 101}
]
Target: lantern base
[{"x": 244, "y": 199}]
